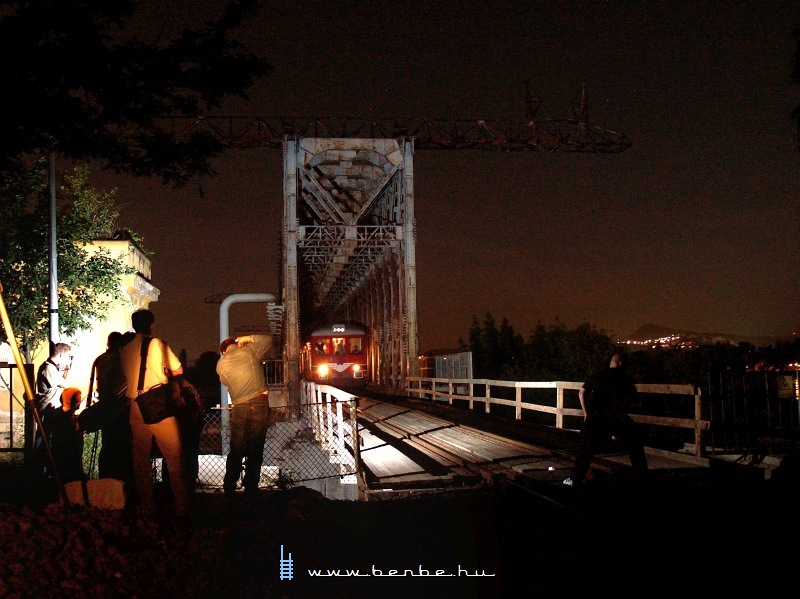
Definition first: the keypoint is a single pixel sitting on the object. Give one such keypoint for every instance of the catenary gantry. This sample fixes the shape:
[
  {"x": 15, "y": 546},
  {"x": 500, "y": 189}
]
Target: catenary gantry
[{"x": 348, "y": 237}]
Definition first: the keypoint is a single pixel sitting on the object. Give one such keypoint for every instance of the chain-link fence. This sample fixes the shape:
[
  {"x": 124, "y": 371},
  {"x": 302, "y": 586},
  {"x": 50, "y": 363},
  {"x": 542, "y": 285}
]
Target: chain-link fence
[{"x": 299, "y": 447}]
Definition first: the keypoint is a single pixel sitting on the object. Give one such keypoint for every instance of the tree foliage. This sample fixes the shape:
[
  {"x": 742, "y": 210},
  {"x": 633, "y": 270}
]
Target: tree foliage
[
  {"x": 555, "y": 353},
  {"x": 88, "y": 281},
  {"x": 89, "y": 86},
  {"x": 695, "y": 365},
  {"x": 550, "y": 353}
]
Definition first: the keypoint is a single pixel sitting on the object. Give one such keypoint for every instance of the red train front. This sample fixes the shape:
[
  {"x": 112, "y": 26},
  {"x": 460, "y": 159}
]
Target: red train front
[{"x": 337, "y": 355}]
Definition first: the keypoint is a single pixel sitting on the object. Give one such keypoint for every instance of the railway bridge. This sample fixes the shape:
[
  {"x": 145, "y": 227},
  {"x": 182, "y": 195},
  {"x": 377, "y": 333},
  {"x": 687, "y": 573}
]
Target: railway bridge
[
  {"x": 349, "y": 254},
  {"x": 349, "y": 228}
]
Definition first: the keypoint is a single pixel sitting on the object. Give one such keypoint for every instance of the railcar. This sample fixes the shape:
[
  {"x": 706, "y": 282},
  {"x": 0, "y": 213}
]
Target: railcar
[{"x": 337, "y": 355}]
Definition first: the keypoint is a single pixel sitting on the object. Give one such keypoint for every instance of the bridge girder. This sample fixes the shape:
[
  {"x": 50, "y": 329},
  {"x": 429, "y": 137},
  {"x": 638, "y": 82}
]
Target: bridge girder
[
  {"x": 570, "y": 135},
  {"x": 348, "y": 245}
]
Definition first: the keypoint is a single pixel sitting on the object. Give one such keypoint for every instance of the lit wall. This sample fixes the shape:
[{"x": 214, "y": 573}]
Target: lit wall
[{"x": 138, "y": 293}]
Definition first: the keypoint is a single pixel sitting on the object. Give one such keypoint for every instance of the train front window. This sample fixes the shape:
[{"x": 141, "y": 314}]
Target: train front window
[
  {"x": 355, "y": 345},
  {"x": 339, "y": 346},
  {"x": 324, "y": 347}
]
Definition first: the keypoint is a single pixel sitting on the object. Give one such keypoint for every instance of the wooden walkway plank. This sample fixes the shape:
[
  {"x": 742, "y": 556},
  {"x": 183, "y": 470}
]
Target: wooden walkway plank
[{"x": 402, "y": 445}]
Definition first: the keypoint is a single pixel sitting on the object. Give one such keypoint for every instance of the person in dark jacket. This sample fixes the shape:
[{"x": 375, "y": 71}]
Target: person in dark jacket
[
  {"x": 605, "y": 398},
  {"x": 67, "y": 440},
  {"x": 50, "y": 384},
  {"x": 115, "y": 460}
]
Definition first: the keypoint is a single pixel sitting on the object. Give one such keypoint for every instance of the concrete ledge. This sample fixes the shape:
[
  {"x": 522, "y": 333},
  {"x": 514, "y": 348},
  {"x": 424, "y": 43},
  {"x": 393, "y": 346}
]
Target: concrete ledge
[
  {"x": 103, "y": 493},
  {"x": 681, "y": 457},
  {"x": 783, "y": 467}
]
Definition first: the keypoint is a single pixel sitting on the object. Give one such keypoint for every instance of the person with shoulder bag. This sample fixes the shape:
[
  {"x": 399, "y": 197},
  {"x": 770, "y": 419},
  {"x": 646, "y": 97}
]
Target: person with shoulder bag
[{"x": 148, "y": 363}]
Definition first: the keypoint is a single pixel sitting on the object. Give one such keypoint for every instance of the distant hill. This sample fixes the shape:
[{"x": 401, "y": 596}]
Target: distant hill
[{"x": 654, "y": 333}]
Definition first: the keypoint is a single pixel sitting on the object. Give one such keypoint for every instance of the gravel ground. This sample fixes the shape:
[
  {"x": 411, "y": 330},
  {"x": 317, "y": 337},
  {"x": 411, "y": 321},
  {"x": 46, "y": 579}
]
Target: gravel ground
[
  {"x": 616, "y": 539},
  {"x": 715, "y": 534}
]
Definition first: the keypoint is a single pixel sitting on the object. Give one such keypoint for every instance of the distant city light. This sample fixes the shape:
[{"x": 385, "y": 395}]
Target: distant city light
[{"x": 673, "y": 341}]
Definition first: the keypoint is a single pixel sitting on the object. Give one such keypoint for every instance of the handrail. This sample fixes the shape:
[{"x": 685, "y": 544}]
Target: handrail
[
  {"x": 333, "y": 428},
  {"x": 464, "y": 390}
]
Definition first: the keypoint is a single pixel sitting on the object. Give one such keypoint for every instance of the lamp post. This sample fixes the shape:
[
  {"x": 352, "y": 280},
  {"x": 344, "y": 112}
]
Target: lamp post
[{"x": 53, "y": 264}]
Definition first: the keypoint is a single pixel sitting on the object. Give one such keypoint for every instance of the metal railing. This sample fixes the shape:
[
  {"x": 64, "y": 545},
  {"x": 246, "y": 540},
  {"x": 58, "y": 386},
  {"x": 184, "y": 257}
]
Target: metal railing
[
  {"x": 331, "y": 413},
  {"x": 293, "y": 451},
  {"x": 753, "y": 410},
  {"x": 556, "y": 403},
  {"x": 309, "y": 443}
]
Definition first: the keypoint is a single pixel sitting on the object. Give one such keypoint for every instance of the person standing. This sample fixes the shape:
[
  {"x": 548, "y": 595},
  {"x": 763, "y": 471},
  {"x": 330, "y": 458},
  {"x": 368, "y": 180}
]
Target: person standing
[
  {"x": 114, "y": 460},
  {"x": 241, "y": 370},
  {"x": 191, "y": 420},
  {"x": 50, "y": 383},
  {"x": 606, "y": 398},
  {"x": 67, "y": 439},
  {"x": 51, "y": 377},
  {"x": 160, "y": 360}
]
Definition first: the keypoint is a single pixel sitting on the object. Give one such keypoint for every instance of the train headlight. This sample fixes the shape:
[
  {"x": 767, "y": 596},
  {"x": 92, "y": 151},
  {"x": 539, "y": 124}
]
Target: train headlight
[
  {"x": 356, "y": 367},
  {"x": 323, "y": 371}
]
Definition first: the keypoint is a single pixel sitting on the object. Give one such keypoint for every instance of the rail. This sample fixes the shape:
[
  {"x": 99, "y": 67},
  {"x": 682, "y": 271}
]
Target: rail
[{"x": 534, "y": 397}]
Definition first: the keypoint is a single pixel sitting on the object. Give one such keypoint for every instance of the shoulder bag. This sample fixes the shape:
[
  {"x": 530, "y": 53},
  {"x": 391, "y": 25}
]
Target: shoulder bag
[{"x": 158, "y": 402}]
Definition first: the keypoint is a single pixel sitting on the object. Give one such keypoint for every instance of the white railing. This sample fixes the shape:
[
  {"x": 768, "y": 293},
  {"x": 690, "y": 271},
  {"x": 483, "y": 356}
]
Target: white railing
[
  {"x": 331, "y": 413},
  {"x": 463, "y": 390}
]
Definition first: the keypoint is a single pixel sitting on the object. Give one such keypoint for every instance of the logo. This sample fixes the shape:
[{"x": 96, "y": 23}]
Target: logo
[{"x": 286, "y": 566}]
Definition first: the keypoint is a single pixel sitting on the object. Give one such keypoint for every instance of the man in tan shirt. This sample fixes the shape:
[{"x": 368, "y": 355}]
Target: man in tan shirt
[{"x": 160, "y": 360}]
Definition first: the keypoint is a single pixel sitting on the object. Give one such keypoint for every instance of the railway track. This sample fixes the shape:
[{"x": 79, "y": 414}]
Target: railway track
[
  {"x": 656, "y": 523},
  {"x": 403, "y": 449},
  {"x": 406, "y": 447}
]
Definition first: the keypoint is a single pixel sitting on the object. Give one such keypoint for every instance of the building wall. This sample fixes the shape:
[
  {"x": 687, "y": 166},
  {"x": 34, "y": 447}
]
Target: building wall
[{"x": 138, "y": 292}]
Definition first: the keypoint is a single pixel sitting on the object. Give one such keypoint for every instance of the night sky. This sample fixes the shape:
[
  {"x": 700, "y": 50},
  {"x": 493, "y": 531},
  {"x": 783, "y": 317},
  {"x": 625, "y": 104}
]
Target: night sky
[{"x": 694, "y": 227}]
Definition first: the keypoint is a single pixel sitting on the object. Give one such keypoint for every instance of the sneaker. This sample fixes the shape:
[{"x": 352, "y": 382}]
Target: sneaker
[{"x": 569, "y": 482}]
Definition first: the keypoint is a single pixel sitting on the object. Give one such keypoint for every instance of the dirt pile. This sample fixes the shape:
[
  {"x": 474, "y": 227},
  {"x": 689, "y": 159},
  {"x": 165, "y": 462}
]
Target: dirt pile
[{"x": 74, "y": 551}]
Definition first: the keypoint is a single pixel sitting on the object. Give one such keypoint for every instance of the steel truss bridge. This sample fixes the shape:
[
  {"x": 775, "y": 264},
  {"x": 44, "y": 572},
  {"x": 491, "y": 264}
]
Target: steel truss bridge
[{"x": 349, "y": 231}]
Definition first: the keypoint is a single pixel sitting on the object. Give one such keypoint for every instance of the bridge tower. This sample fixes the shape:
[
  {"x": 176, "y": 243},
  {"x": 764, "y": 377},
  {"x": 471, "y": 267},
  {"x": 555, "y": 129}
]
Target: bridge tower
[{"x": 349, "y": 248}]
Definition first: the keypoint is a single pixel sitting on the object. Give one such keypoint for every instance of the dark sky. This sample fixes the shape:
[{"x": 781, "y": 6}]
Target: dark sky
[{"x": 694, "y": 227}]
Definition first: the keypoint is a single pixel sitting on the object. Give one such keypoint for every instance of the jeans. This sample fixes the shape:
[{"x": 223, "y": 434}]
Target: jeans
[
  {"x": 249, "y": 423},
  {"x": 115, "y": 460}
]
